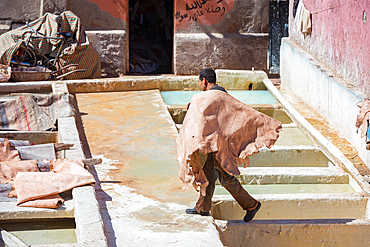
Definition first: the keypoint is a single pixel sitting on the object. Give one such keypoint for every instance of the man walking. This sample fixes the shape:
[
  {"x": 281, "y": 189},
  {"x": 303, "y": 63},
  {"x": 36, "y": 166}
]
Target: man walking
[{"x": 218, "y": 128}]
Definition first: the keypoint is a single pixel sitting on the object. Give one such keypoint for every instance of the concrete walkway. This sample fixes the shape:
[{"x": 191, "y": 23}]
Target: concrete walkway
[{"x": 141, "y": 197}]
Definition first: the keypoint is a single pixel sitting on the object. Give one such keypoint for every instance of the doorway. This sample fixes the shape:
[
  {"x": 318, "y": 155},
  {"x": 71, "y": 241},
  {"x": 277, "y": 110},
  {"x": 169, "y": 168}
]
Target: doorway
[{"x": 150, "y": 36}]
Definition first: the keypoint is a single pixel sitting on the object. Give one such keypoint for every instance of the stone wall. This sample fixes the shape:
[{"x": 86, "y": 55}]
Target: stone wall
[{"x": 111, "y": 46}]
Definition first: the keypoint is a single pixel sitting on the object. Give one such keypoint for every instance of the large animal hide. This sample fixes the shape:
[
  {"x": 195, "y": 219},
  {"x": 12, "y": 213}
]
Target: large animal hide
[
  {"x": 217, "y": 122},
  {"x": 41, "y": 189},
  {"x": 363, "y": 116}
]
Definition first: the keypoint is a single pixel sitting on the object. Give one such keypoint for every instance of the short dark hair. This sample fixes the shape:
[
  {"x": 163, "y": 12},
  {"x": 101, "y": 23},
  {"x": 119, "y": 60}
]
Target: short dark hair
[{"x": 209, "y": 74}]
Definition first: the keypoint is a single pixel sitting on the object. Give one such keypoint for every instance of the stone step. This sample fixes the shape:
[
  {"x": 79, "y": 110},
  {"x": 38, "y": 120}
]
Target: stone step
[
  {"x": 292, "y": 175},
  {"x": 288, "y": 156},
  {"x": 308, "y": 233},
  {"x": 296, "y": 206},
  {"x": 292, "y": 136}
]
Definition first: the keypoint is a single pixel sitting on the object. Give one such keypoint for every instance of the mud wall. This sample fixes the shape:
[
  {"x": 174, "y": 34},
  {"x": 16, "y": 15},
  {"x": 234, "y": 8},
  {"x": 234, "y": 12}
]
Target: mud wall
[{"x": 339, "y": 38}]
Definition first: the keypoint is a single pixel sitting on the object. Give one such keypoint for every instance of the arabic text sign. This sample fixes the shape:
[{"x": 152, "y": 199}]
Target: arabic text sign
[{"x": 205, "y": 12}]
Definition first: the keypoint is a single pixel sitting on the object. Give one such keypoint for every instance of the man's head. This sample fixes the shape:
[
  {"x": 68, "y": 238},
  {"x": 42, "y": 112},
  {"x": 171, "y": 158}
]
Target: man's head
[{"x": 207, "y": 78}]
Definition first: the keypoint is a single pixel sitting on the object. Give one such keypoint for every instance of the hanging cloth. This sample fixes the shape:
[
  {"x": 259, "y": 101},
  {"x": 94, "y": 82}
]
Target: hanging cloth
[{"x": 303, "y": 18}]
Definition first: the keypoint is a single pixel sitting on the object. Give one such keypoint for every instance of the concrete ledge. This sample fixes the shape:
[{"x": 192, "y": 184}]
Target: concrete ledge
[
  {"x": 10, "y": 211},
  {"x": 308, "y": 233},
  {"x": 296, "y": 206},
  {"x": 68, "y": 133},
  {"x": 36, "y": 137},
  {"x": 89, "y": 224},
  {"x": 26, "y": 87},
  {"x": 241, "y": 79},
  {"x": 292, "y": 175},
  {"x": 163, "y": 83},
  {"x": 137, "y": 83},
  {"x": 289, "y": 156}
]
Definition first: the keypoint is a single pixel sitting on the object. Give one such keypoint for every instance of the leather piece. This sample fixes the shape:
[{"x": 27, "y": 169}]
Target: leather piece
[
  {"x": 9, "y": 169},
  {"x": 217, "y": 122},
  {"x": 64, "y": 175}
]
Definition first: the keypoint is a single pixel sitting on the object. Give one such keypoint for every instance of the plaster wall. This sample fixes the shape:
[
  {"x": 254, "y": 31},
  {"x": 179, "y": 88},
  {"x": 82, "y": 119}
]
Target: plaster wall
[
  {"x": 227, "y": 34},
  {"x": 24, "y": 10},
  {"x": 21, "y": 10},
  {"x": 339, "y": 38},
  {"x": 196, "y": 51},
  {"x": 328, "y": 95},
  {"x": 101, "y": 14},
  {"x": 226, "y": 16}
]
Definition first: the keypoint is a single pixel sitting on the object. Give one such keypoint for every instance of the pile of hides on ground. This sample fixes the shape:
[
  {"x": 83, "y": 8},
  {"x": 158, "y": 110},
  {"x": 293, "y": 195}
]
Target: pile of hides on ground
[
  {"x": 35, "y": 112},
  {"x": 79, "y": 52},
  {"x": 217, "y": 122},
  {"x": 40, "y": 189}
]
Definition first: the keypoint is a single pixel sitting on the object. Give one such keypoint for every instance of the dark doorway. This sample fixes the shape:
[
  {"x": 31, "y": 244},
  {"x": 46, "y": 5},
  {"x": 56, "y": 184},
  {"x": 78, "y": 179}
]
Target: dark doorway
[
  {"x": 278, "y": 28},
  {"x": 151, "y": 36}
]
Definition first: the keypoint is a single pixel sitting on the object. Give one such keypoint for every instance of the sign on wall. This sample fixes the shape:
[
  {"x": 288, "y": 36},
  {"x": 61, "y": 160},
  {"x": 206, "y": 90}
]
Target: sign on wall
[{"x": 203, "y": 12}]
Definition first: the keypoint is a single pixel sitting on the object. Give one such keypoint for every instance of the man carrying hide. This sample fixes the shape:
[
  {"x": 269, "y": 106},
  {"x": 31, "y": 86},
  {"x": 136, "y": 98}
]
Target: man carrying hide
[{"x": 226, "y": 131}]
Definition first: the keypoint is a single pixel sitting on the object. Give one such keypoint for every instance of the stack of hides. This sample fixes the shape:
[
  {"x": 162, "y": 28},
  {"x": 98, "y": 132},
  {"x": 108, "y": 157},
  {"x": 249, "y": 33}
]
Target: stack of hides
[{"x": 40, "y": 189}]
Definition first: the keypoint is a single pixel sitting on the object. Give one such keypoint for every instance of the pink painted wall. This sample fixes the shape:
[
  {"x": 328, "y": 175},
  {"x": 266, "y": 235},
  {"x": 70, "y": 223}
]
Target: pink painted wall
[
  {"x": 117, "y": 8},
  {"x": 340, "y": 37}
]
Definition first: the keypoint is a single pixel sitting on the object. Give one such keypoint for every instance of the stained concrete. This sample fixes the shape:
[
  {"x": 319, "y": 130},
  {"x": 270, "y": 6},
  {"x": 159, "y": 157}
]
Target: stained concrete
[{"x": 141, "y": 197}]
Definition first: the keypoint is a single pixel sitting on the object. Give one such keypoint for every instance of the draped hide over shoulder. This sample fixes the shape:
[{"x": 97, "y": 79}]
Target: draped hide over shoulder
[{"x": 217, "y": 122}]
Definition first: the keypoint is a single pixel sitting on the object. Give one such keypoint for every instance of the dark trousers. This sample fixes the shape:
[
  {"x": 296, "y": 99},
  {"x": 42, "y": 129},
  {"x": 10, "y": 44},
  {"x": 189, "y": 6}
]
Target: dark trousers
[{"x": 212, "y": 170}]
